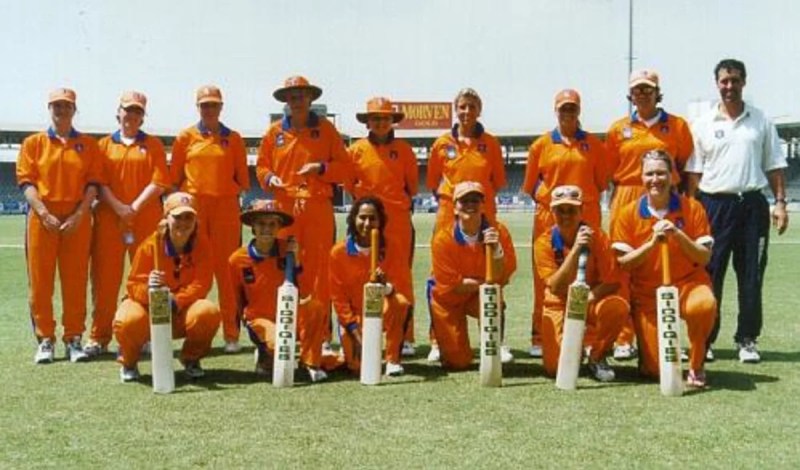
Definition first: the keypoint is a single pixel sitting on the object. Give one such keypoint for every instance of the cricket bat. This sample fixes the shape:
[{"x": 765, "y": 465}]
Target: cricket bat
[
  {"x": 491, "y": 369},
  {"x": 161, "y": 332},
  {"x": 285, "y": 329},
  {"x": 669, "y": 347},
  {"x": 569, "y": 358},
  {"x": 372, "y": 331}
]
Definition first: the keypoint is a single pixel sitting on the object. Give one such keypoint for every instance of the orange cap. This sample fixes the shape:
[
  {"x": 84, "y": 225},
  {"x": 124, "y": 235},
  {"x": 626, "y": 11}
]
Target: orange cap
[
  {"x": 208, "y": 94},
  {"x": 179, "y": 203},
  {"x": 467, "y": 187},
  {"x": 643, "y": 77},
  {"x": 133, "y": 98},
  {"x": 62, "y": 94},
  {"x": 567, "y": 95},
  {"x": 381, "y": 106},
  {"x": 567, "y": 194},
  {"x": 264, "y": 207},
  {"x": 296, "y": 82}
]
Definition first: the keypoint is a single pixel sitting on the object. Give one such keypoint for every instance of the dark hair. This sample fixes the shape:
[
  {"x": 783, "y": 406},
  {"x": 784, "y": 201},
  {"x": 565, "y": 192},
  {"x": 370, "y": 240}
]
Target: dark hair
[
  {"x": 730, "y": 64},
  {"x": 658, "y": 155},
  {"x": 367, "y": 201}
]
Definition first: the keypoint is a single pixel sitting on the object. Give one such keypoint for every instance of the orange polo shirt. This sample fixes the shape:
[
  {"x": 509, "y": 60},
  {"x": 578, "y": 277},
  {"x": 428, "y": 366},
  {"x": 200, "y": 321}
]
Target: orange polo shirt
[
  {"x": 550, "y": 252},
  {"x": 635, "y": 226},
  {"x": 629, "y": 138},
  {"x": 284, "y": 150},
  {"x": 452, "y": 162},
  {"x": 209, "y": 164},
  {"x": 60, "y": 171},
  {"x": 128, "y": 169},
  {"x": 388, "y": 171},
  {"x": 553, "y": 162},
  {"x": 188, "y": 275}
]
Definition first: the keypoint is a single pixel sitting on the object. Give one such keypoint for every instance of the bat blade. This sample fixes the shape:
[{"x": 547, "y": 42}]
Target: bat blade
[
  {"x": 285, "y": 336},
  {"x": 161, "y": 340},
  {"x": 569, "y": 358},
  {"x": 491, "y": 369},
  {"x": 669, "y": 348},
  {"x": 372, "y": 334}
]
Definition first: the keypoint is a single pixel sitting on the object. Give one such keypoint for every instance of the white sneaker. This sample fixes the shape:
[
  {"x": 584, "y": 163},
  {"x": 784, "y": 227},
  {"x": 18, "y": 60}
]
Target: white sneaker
[
  {"x": 601, "y": 371},
  {"x": 94, "y": 349},
  {"x": 409, "y": 350},
  {"x": 128, "y": 374},
  {"x": 393, "y": 369},
  {"x": 193, "y": 369},
  {"x": 535, "y": 351},
  {"x": 506, "y": 357},
  {"x": 327, "y": 350},
  {"x": 710, "y": 355},
  {"x": 748, "y": 352},
  {"x": 317, "y": 375},
  {"x": 44, "y": 352},
  {"x": 624, "y": 352},
  {"x": 74, "y": 351},
  {"x": 684, "y": 355},
  {"x": 435, "y": 355},
  {"x": 232, "y": 347}
]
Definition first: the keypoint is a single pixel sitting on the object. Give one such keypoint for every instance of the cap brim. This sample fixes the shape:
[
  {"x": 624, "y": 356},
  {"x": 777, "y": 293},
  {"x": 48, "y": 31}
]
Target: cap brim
[
  {"x": 209, "y": 99},
  {"x": 61, "y": 98},
  {"x": 248, "y": 217},
  {"x": 562, "y": 103},
  {"x": 566, "y": 202},
  {"x": 132, "y": 105},
  {"x": 181, "y": 210},
  {"x": 364, "y": 117},
  {"x": 462, "y": 196},
  {"x": 280, "y": 93},
  {"x": 642, "y": 81}
]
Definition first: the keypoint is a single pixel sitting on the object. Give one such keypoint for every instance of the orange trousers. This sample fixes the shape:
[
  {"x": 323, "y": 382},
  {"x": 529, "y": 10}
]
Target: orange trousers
[
  {"x": 542, "y": 220},
  {"x": 400, "y": 235},
  {"x": 310, "y": 332},
  {"x": 108, "y": 262},
  {"x": 198, "y": 324},
  {"x": 698, "y": 309},
  {"x": 604, "y": 319},
  {"x": 622, "y": 196},
  {"x": 395, "y": 311},
  {"x": 219, "y": 218},
  {"x": 69, "y": 253}
]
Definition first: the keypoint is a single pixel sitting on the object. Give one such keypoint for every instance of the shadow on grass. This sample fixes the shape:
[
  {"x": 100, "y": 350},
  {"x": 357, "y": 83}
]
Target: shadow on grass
[{"x": 736, "y": 381}]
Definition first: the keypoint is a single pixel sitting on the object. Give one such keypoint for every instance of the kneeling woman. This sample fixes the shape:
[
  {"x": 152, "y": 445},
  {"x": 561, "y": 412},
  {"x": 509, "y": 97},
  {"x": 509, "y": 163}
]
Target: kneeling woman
[
  {"x": 350, "y": 270},
  {"x": 257, "y": 271},
  {"x": 184, "y": 258}
]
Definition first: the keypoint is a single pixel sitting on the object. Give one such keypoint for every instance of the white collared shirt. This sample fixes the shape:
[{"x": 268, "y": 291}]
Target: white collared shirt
[{"x": 734, "y": 155}]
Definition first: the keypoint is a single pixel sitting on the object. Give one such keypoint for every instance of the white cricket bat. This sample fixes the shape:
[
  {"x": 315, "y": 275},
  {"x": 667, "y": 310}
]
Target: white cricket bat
[
  {"x": 372, "y": 331},
  {"x": 161, "y": 333},
  {"x": 669, "y": 321},
  {"x": 569, "y": 358},
  {"x": 285, "y": 329},
  {"x": 491, "y": 369}
]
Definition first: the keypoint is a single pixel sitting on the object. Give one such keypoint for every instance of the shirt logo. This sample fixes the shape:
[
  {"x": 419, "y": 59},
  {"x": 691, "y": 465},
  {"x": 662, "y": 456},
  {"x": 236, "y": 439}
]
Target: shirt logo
[
  {"x": 719, "y": 133},
  {"x": 79, "y": 147},
  {"x": 584, "y": 146},
  {"x": 315, "y": 133},
  {"x": 482, "y": 148},
  {"x": 224, "y": 142},
  {"x": 143, "y": 149},
  {"x": 679, "y": 222},
  {"x": 279, "y": 140},
  {"x": 248, "y": 275},
  {"x": 627, "y": 133},
  {"x": 451, "y": 152},
  {"x": 665, "y": 129}
]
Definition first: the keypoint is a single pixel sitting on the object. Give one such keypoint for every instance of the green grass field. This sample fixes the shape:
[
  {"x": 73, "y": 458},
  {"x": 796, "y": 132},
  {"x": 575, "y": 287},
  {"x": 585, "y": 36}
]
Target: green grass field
[{"x": 79, "y": 415}]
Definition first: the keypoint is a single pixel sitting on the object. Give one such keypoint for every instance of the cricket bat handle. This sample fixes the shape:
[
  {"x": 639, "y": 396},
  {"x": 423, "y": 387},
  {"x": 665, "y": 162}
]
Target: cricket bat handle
[
  {"x": 583, "y": 259},
  {"x": 489, "y": 264},
  {"x": 373, "y": 255},
  {"x": 666, "y": 275}
]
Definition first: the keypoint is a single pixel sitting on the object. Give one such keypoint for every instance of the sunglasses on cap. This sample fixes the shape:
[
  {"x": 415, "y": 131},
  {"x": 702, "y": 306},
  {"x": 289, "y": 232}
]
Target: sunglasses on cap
[{"x": 564, "y": 193}]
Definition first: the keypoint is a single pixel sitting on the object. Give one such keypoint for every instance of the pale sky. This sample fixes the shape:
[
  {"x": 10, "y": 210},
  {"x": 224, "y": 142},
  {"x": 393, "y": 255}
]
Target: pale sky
[{"x": 516, "y": 54}]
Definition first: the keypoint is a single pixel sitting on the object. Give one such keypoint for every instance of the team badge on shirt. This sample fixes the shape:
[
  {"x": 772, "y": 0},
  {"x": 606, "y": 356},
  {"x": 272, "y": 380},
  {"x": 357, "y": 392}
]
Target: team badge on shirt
[
  {"x": 143, "y": 149},
  {"x": 315, "y": 133},
  {"x": 482, "y": 148},
  {"x": 248, "y": 275},
  {"x": 79, "y": 147},
  {"x": 719, "y": 133},
  {"x": 584, "y": 146},
  {"x": 279, "y": 140},
  {"x": 627, "y": 133},
  {"x": 451, "y": 152},
  {"x": 680, "y": 223},
  {"x": 224, "y": 142},
  {"x": 664, "y": 129},
  {"x": 393, "y": 155}
]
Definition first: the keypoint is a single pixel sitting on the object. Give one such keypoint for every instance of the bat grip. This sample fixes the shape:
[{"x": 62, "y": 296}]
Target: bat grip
[
  {"x": 489, "y": 264},
  {"x": 583, "y": 259},
  {"x": 157, "y": 251},
  {"x": 666, "y": 275},
  {"x": 373, "y": 255},
  {"x": 288, "y": 272}
]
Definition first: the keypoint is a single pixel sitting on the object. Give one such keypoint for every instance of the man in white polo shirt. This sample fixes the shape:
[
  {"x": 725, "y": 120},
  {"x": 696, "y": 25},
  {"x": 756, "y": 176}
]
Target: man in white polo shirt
[{"x": 736, "y": 155}]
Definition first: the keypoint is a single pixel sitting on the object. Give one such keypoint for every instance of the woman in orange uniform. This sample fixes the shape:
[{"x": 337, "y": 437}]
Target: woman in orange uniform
[
  {"x": 385, "y": 167},
  {"x": 209, "y": 161},
  {"x": 567, "y": 155},
  {"x": 663, "y": 216},
  {"x": 59, "y": 171},
  {"x": 184, "y": 259},
  {"x": 350, "y": 270},
  {"x": 135, "y": 167},
  {"x": 257, "y": 271},
  {"x": 466, "y": 153}
]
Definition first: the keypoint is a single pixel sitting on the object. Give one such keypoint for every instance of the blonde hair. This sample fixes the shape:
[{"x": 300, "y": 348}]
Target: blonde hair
[
  {"x": 658, "y": 155},
  {"x": 468, "y": 93}
]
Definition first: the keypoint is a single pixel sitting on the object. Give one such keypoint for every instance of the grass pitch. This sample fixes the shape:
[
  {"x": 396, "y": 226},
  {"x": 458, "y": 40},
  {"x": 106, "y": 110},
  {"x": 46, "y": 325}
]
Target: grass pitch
[{"x": 79, "y": 415}]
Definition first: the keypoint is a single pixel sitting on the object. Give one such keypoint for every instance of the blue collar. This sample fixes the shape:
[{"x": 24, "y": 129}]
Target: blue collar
[
  {"x": 461, "y": 238},
  {"x": 478, "y": 130},
  {"x": 172, "y": 252},
  {"x": 644, "y": 211},
  {"x": 313, "y": 121},
  {"x": 555, "y": 135},
  {"x": 73, "y": 134},
  {"x": 662, "y": 117},
  {"x": 255, "y": 256},
  {"x": 117, "y": 136},
  {"x": 389, "y": 139},
  {"x": 223, "y": 130}
]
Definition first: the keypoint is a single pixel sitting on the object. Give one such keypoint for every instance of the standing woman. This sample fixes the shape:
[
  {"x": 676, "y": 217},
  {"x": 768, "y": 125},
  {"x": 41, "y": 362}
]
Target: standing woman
[
  {"x": 59, "y": 171},
  {"x": 135, "y": 168},
  {"x": 209, "y": 161},
  {"x": 466, "y": 153},
  {"x": 386, "y": 168},
  {"x": 567, "y": 155}
]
